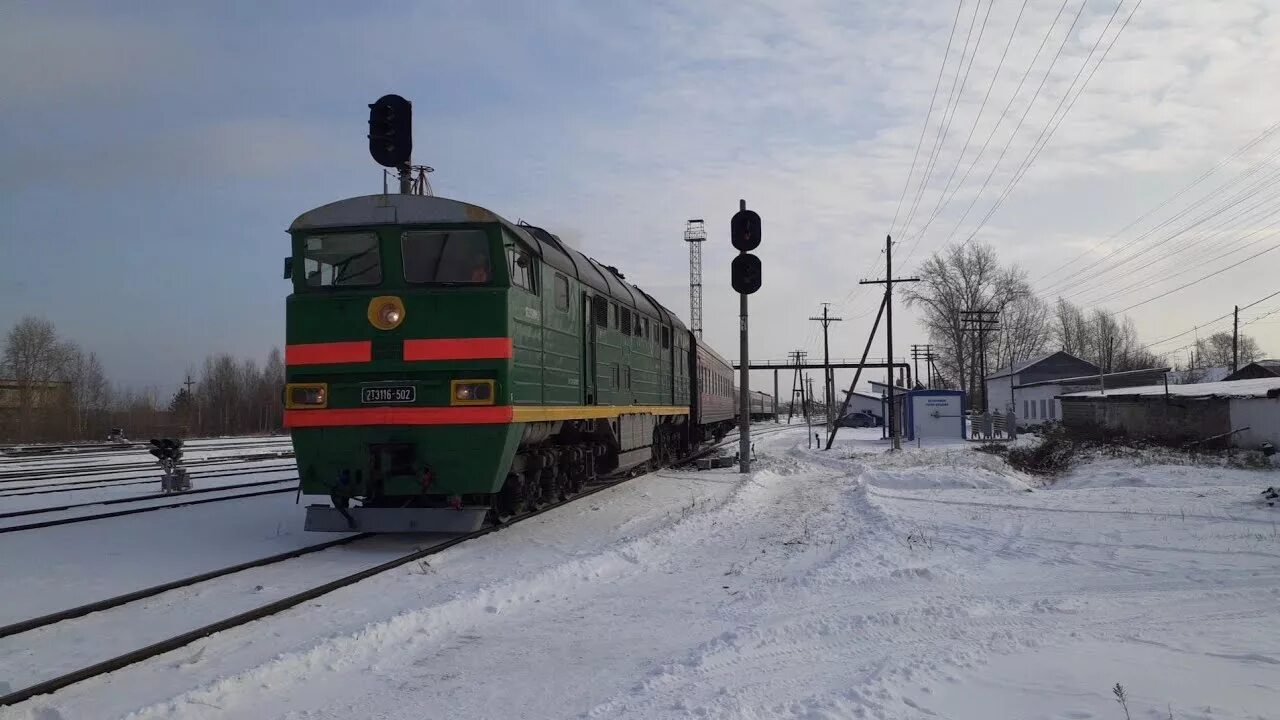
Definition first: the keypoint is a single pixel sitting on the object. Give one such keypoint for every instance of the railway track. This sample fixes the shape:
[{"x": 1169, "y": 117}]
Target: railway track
[
  {"x": 266, "y": 610},
  {"x": 60, "y": 452},
  {"x": 76, "y": 485},
  {"x": 151, "y": 508},
  {"x": 11, "y": 476}
]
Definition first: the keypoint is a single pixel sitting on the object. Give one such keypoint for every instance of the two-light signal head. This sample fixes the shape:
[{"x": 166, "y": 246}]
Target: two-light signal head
[{"x": 744, "y": 233}]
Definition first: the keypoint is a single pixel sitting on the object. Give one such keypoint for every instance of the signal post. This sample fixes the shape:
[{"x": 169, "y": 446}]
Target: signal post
[{"x": 744, "y": 233}]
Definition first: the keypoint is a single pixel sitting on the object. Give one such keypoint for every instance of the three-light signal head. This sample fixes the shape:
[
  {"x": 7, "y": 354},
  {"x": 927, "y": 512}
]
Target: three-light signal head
[{"x": 391, "y": 131}]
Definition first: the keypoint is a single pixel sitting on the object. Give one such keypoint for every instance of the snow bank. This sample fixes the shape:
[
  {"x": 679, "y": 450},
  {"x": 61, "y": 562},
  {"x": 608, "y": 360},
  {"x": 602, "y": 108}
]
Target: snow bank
[{"x": 941, "y": 469}]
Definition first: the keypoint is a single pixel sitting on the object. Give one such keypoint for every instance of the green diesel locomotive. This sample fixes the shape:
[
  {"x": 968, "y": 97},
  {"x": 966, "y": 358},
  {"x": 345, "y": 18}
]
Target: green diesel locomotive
[{"x": 445, "y": 366}]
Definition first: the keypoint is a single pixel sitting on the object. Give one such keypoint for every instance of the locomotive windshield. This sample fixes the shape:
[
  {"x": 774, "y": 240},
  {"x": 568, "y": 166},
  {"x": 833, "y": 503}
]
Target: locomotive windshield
[
  {"x": 341, "y": 260},
  {"x": 446, "y": 256}
]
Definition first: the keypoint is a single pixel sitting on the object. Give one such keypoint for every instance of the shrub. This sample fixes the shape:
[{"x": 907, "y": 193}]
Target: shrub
[{"x": 1053, "y": 454}]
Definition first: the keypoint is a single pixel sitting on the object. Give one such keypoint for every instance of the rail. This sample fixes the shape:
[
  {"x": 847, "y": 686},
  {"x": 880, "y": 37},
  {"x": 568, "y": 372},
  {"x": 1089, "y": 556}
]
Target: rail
[{"x": 269, "y": 609}]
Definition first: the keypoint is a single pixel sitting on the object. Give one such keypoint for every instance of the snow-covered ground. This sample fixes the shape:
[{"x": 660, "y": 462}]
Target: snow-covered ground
[{"x": 931, "y": 583}]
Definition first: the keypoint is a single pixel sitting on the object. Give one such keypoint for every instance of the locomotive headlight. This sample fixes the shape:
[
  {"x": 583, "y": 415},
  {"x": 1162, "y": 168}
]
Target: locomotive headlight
[
  {"x": 471, "y": 392},
  {"x": 298, "y": 396},
  {"x": 386, "y": 312}
]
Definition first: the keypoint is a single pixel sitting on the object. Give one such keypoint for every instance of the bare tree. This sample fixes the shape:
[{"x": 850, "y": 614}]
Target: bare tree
[
  {"x": 1025, "y": 331},
  {"x": 33, "y": 359},
  {"x": 1216, "y": 351},
  {"x": 969, "y": 276},
  {"x": 1111, "y": 342},
  {"x": 271, "y": 390},
  {"x": 88, "y": 388}
]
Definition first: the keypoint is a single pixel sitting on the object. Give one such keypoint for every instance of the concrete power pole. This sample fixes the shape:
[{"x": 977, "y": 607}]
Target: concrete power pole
[{"x": 827, "y": 377}]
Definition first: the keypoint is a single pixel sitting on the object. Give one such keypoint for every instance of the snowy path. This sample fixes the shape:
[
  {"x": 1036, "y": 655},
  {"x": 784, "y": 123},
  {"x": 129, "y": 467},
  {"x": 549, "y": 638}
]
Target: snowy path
[{"x": 928, "y": 584}]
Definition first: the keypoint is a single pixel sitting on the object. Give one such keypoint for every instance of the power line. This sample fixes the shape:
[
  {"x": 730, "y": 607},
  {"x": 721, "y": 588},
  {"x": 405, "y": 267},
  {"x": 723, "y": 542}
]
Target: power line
[
  {"x": 938, "y": 83},
  {"x": 1203, "y": 176},
  {"x": 1196, "y": 281},
  {"x": 953, "y": 104},
  {"x": 1224, "y": 224},
  {"x": 1210, "y": 322},
  {"x": 1035, "y": 152},
  {"x": 1230, "y": 201},
  {"x": 944, "y": 198},
  {"x": 1065, "y": 38},
  {"x": 1146, "y": 283}
]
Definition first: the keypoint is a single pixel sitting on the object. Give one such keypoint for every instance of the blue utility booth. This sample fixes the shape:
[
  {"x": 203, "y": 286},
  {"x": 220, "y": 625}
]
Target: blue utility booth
[{"x": 933, "y": 414}]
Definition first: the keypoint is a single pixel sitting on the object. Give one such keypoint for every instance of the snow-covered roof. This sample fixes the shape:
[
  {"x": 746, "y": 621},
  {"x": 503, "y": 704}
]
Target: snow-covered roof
[
  {"x": 1086, "y": 379},
  {"x": 1259, "y": 387},
  {"x": 1019, "y": 367},
  {"x": 1201, "y": 375}
]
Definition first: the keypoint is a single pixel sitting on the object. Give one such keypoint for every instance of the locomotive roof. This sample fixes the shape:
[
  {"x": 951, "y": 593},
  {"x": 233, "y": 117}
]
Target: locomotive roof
[{"x": 397, "y": 209}]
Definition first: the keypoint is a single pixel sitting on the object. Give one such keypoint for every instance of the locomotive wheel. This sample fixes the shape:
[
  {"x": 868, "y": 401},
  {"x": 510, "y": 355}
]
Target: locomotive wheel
[
  {"x": 511, "y": 499},
  {"x": 531, "y": 495}
]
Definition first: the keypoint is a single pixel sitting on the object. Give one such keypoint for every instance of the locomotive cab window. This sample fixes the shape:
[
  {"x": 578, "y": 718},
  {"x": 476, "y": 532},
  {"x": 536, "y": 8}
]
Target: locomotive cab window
[
  {"x": 446, "y": 256},
  {"x": 341, "y": 260},
  {"x": 520, "y": 265}
]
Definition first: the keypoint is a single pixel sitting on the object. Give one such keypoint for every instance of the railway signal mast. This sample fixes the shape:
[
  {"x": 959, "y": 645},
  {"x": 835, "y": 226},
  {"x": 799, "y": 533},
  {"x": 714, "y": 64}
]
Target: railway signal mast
[
  {"x": 391, "y": 136},
  {"x": 744, "y": 233}
]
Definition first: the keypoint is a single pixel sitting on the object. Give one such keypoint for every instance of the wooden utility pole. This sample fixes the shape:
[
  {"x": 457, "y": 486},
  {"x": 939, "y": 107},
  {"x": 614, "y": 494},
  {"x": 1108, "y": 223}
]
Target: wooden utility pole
[
  {"x": 844, "y": 406},
  {"x": 888, "y": 282},
  {"x": 1235, "y": 340},
  {"x": 827, "y": 377},
  {"x": 981, "y": 321}
]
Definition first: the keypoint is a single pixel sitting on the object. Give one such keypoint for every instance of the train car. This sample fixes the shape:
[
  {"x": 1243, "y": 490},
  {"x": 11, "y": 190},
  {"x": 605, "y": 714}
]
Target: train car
[
  {"x": 762, "y": 406},
  {"x": 715, "y": 409},
  {"x": 444, "y": 366}
]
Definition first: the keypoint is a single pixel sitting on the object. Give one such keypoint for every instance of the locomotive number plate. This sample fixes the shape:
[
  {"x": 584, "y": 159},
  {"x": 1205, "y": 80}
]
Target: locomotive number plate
[{"x": 388, "y": 395}]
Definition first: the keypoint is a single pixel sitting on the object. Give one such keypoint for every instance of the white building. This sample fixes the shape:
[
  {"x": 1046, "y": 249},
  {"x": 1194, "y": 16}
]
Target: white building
[
  {"x": 1001, "y": 386},
  {"x": 867, "y": 403},
  {"x": 1038, "y": 403}
]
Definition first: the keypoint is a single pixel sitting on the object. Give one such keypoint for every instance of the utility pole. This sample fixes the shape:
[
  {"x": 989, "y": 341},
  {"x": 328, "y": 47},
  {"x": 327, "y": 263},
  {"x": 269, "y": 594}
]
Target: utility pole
[
  {"x": 844, "y": 406},
  {"x": 1235, "y": 340},
  {"x": 812, "y": 408},
  {"x": 797, "y": 359},
  {"x": 888, "y": 282},
  {"x": 194, "y": 405},
  {"x": 775, "y": 394},
  {"x": 982, "y": 322},
  {"x": 928, "y": 364},
  {"x": 827, "y": 377}
]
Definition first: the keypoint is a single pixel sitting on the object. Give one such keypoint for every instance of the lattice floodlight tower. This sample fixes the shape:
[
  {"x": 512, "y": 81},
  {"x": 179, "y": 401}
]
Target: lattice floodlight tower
[
  {"x": 168, "y": 452},
  {"x": 695, "y": 233}
]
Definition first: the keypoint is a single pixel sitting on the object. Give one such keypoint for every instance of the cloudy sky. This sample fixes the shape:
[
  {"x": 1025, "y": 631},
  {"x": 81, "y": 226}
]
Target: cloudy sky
[{"x": 151, "y": 155}]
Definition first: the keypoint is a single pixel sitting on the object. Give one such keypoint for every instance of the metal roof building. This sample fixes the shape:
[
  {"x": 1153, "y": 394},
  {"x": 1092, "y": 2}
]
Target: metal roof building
[{"x": 1236, "y": 413}]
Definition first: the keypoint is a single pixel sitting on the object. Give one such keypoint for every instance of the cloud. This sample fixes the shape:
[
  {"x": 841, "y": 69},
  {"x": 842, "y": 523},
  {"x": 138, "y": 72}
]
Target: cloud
[{"x": 63, "y": 59}]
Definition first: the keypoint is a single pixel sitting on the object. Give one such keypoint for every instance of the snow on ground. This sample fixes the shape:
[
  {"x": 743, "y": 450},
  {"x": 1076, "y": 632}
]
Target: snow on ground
[
  {"x": 931, "y": 583},
  {"x": 54, "y": 568}
]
